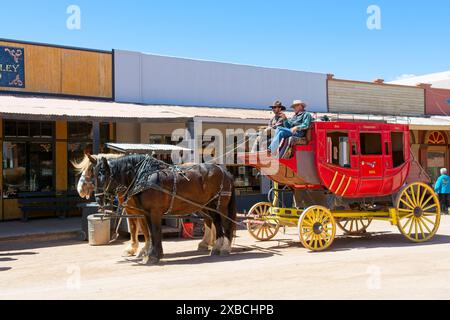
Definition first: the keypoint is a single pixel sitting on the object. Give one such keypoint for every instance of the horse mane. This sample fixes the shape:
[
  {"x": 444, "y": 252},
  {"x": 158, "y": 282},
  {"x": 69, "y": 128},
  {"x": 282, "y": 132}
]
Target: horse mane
[{"x": 85, "y": 164}]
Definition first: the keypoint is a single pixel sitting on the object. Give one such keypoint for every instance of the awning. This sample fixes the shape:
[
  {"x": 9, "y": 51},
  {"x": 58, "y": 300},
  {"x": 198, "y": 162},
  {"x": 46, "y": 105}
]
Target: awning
[
  {"x": 49, "y": 108},
  {"x": 145, "y": 148}
]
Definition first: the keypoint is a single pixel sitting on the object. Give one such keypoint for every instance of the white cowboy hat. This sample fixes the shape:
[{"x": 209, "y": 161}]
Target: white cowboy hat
[{"x": 298, "y": 103}]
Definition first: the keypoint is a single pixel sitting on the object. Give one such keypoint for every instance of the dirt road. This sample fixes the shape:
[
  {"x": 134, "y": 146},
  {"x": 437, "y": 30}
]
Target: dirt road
[{"x": 381, "y": 265}]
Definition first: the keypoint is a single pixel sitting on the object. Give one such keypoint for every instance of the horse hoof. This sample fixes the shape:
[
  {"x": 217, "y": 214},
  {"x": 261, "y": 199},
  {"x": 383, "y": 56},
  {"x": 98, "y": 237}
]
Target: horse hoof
[
  {"x": 150, "y": 261},
  {"x": 215, "y": 253},
  {"x": 127, "y": 254},
  {"x": 224, "y": 253},
  {"x": 202, "y": 248},
  {"x": 142, "y": 254}
]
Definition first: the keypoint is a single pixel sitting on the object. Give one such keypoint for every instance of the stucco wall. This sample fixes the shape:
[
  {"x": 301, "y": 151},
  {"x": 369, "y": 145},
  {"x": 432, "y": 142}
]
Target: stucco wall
[{"x": 151, "y": 79}]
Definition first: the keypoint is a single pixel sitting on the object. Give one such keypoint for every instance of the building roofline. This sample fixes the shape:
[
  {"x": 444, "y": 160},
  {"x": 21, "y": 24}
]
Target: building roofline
[{"x": 43, "y": 44}]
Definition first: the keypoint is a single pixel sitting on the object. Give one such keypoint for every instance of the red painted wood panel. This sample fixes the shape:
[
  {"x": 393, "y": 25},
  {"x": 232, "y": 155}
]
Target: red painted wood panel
[{"x": 437, "y": 101}]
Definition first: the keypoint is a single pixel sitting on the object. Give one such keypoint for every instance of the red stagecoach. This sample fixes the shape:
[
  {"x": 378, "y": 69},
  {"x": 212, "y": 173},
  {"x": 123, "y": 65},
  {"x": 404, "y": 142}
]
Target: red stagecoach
[{"x": 346, "y": 174}]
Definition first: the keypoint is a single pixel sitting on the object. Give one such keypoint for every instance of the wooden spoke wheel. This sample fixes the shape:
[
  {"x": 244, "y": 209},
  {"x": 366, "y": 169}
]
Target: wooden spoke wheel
[
  {"x": 261, "y": 228},
  {"x": 354, "y": 226},
  {"x": 317, "y": 228},
  {"x": 418, "y": 212}
]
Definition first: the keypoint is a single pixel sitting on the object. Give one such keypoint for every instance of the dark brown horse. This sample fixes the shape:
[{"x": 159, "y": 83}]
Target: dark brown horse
[{"x": 206, "y": 188}]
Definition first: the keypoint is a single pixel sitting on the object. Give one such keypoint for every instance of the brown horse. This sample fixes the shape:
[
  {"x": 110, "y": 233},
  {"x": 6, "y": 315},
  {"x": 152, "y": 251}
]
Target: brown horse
[
  {"x": 86, "y": 188},
  {"x": 207, "y": 187}
]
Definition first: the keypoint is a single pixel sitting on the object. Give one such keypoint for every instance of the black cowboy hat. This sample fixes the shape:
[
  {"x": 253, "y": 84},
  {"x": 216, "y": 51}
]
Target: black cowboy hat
[{"x": 278, "y": 104}]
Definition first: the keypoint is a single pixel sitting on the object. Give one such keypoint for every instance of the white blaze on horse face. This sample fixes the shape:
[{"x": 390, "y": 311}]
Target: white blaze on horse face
[
  {"x": 85, "y": 187},
  {"x": 80, "y": 186}
]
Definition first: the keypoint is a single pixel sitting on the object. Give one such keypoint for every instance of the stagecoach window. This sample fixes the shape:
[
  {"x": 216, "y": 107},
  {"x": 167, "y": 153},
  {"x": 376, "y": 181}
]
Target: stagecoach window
[
  {"x": 371, "y": 144},
  {"x": 339, "y": 149},
  {"x": 398, "y": 153}
]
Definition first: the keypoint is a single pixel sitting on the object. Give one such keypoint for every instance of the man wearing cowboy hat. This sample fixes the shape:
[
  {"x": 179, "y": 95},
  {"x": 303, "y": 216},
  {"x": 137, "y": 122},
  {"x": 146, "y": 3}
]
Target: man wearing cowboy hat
[
  {"x": 278, "y": 120},
  {"x": 296, "y": 126}
]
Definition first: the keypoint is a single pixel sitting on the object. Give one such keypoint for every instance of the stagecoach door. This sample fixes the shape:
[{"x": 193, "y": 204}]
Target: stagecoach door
[{"x": 371, "y": 162}]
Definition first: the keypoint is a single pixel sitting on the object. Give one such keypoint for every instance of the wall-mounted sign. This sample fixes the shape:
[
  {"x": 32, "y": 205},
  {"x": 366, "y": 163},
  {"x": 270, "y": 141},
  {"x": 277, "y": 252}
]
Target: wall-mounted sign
[{"x": 12, "y": 67}]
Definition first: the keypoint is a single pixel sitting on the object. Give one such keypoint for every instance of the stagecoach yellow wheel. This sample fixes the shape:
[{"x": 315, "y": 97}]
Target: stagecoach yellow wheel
[
  {"x": 418, "y": 212},
  {"x": 354, "y": 226},
  {"x": 261, "y": 228},
  {"x": 317, "y": 228}
]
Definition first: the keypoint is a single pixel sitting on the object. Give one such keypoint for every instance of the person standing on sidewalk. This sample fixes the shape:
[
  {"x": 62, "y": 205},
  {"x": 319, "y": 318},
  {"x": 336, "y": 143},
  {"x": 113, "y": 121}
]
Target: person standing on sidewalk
[{"x": 442, "y": 188}]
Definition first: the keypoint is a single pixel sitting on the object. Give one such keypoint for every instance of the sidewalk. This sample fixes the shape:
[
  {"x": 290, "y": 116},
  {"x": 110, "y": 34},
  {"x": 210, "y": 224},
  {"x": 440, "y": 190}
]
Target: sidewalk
[{"x": 42, "y": 229}]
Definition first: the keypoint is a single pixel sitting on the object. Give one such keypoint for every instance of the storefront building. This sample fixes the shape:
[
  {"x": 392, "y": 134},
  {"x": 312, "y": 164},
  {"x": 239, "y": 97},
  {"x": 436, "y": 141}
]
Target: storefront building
[{"x": 36, "y": 148}]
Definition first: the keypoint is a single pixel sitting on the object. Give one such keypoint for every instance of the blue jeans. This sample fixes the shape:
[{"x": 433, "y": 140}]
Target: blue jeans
[{"x": 282, "y": 133}]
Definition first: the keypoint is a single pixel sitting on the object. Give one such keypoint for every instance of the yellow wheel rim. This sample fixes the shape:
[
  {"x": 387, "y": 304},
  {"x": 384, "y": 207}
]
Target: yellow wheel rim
[
  {"x": 354, "y": 226},
  {"x": 262, "y": 229},
  {"x": 317, "y": 228},
  {"x": 418, "y": 212}
]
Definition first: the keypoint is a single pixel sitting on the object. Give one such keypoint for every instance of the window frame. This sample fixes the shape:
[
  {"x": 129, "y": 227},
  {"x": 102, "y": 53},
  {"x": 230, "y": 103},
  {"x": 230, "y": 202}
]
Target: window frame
[
  {"x": 362, "y": 147},
  {"x": 27, "y": 141}
]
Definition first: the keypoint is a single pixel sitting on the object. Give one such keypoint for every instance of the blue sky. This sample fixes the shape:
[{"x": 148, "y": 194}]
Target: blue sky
[{"x": 323, "y": 35}]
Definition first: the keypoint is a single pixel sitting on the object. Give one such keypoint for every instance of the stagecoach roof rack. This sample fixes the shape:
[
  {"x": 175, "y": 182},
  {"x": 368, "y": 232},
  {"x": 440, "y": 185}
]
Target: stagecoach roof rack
[
  {"x": 363, "y": 117},
  {"x": 145, "y": 148}
]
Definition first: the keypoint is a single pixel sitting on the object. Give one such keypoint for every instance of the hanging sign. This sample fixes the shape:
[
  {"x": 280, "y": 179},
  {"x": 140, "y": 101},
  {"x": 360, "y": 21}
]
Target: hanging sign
[{"x": 12, "y": 67}]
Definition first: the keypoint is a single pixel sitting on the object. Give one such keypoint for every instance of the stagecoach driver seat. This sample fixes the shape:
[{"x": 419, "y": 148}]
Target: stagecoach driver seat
[{"x": 296, "y": 127}]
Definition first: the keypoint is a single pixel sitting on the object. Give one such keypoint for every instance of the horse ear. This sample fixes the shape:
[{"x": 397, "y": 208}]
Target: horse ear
[
  {"x": 106, "y": 165},
  {"x": 91, "y": 158}
]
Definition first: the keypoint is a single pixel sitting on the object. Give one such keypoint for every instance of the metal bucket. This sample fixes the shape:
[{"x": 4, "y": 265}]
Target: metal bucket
[{"x": 99, "y": 227}]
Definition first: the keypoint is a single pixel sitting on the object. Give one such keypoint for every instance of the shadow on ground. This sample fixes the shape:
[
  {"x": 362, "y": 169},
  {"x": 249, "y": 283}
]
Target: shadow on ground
[
  {"x": 197, "y": 257},
  {"x": 30, "y": 245},
  {"x": 371, "y": 240},
  {"x": 5, "y": 269}
]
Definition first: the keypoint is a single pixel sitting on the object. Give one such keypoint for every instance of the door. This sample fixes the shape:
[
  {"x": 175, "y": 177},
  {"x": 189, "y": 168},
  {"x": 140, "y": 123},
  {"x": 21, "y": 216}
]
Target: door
[
  {"x": 436, "y": 160},
  {"x": 371, "y": 163}
]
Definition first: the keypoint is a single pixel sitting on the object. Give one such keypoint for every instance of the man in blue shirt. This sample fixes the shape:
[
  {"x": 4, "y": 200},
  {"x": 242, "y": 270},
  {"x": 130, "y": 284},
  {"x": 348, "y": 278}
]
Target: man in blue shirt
[
  {"x": 294, "y": 127},
  {"x": 442, "y": 188}
]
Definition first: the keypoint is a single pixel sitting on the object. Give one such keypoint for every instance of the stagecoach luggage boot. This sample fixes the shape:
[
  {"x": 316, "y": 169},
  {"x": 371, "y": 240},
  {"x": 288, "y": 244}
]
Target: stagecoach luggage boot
[{"x": 99, "y": 229}]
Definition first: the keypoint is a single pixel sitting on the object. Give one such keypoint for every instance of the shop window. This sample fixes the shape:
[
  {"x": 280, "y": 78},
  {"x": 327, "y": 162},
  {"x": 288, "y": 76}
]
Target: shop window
[
  {"x": 28, "y": 157},
  {"x": 80, "y": 142},
  {"x": 160, "y": 139},
  {"x": 27, "y": 167},
  {"x": 398, "y": 152},
  {"x": 28, "y": 129},
  {"x": 246, "y": 179},
  {"x": 371, "y": 144},
  {"x": 339, "y": 149},
  {"x": 80, "y": 131}
]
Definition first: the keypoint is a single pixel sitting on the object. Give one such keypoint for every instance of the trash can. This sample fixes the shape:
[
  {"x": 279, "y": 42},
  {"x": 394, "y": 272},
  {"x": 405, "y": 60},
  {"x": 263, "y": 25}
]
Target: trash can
[
  {"x": 99, "y": 229},
  {"x": 87, "y": 209}
]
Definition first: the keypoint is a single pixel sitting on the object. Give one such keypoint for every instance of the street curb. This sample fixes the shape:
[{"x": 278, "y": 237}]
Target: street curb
[{"x": 67, "y": 235}]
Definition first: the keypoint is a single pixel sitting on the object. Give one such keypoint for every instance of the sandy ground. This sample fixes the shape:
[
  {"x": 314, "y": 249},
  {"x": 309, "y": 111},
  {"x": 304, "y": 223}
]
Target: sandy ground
[{"x": 380, "y": 265}]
